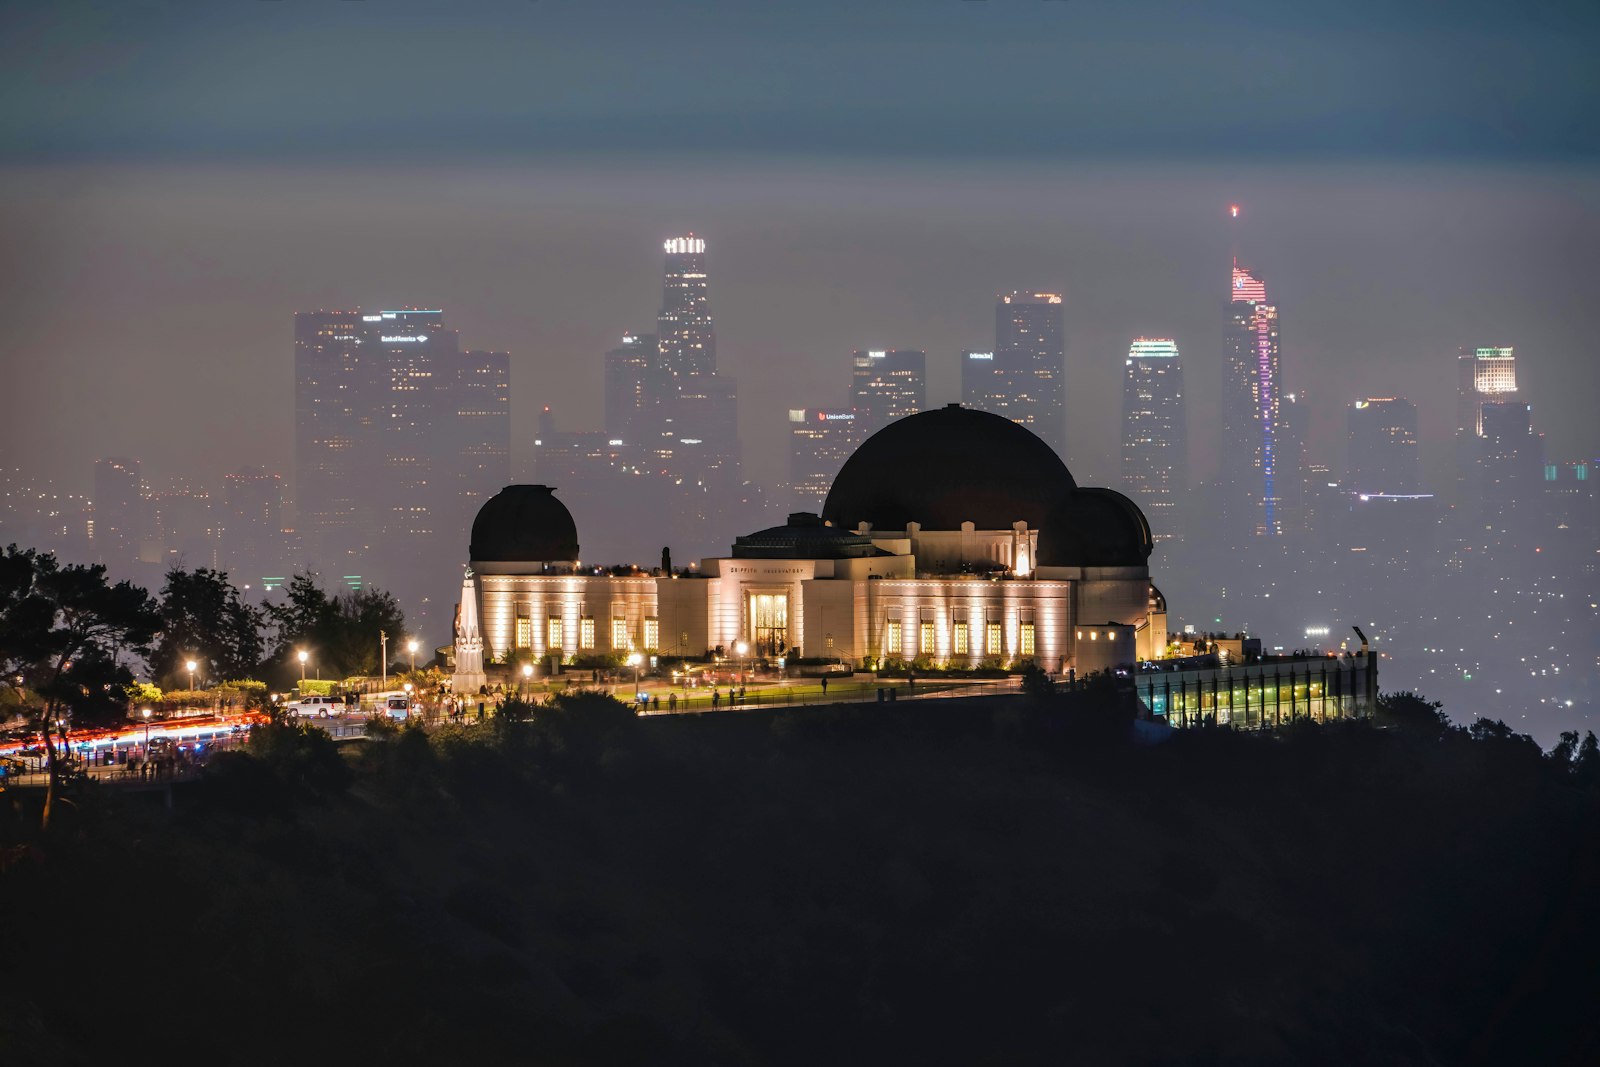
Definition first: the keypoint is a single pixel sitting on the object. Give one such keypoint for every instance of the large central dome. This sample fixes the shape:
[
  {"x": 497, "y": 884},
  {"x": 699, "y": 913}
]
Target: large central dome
[
  {"x": 524, "y": 524},
  {"x": 947, "y": 466}
]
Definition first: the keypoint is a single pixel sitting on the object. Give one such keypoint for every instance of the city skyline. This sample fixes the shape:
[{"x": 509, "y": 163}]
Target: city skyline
[{"x": 1092, "y": 358}]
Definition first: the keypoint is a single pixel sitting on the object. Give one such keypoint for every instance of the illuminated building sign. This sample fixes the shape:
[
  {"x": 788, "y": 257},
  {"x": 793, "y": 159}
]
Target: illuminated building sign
[
  {"x": 401, "y": 338},
  {"x": 980, "y": 355},
  {"x": 690, "y": 245}
]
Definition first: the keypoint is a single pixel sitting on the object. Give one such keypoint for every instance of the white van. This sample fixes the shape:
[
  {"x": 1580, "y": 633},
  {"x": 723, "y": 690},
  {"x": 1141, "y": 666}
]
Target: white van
[{"x": 399, "y": 708}]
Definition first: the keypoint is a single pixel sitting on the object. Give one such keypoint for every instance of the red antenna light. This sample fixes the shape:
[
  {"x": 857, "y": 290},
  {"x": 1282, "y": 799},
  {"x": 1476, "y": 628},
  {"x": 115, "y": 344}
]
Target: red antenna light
[{"x": 1233, "y": 210}]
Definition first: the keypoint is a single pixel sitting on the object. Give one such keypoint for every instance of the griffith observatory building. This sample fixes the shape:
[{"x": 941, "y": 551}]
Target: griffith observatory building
[{"x": 953, "y": 537}]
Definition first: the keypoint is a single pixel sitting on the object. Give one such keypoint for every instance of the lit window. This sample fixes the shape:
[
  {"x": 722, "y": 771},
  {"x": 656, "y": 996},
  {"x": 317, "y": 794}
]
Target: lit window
[
  {"x": 925, "y": 639},
  {"x": 891, "y": 638},
  {"x": 524, "y": 632},
  {"x": 991, "y": 639},
  {"x": 1025, "y": 639},
  {"x": 553, "y": 634},
  {"x": 652, "y": 633},
  {"x": 619, "y": 633},
  {"x": 959, "y": 638}
]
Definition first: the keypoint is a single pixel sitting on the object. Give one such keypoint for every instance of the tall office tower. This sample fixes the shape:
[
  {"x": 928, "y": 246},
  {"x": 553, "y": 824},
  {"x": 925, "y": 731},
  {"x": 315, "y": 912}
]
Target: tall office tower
[
  {"x": 1155, "y": 452},
  {"x": 480, "y": 414},
  {"x": 634, "y": 390},
  {"x": 695, "y": 433},
  {"x": 820, "y": 440},
  {"x": 252, "y": 524},
  {"x": 688, "y": 343},
  {"x": 1510, "y": 458},
  {"x": 1484, "y": 375},
  {"x": 396, "y": 434},
  {"x": 705, "y": 424},
  {"x": 1383, "y": 447},
  {"x": 1251, "y": 410},
  {"x": 120, "y": 526},
  {"x": 1029, "y": 366},
  {"x": 887, "y": 384}
]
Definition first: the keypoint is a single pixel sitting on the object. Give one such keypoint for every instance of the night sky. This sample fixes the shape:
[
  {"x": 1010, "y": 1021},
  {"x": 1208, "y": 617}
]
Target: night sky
[{"x": 177, "y": 179}]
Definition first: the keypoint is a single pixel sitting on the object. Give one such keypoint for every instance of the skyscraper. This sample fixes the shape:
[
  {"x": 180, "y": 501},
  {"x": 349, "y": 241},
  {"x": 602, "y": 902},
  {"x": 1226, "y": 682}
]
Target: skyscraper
[
  {"x": 688, "y": 343},
  {"x": 478, "y": 410},
  {"x": 397, "y": 433},
  {"x": 1383, "y": 447},
  {"x": 1484, "y": 375},
  {"x": 887, "y": 384},
  {"x": 820, "y": 440},
  {"x": 633, "y": 389},
  {"x": 120, "y": 519},
  {"x": 696, "y": 429},
  {"x": 1251, "y": 409},
  {"x": 1026, "y": 379},
  {"x": 1155, "y": 459}
]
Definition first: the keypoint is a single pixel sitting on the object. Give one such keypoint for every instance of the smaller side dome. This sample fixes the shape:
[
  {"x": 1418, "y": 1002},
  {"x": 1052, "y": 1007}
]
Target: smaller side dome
[
  {"x": 1095, "y": 528},
  {"x": 524, "y": 524}
]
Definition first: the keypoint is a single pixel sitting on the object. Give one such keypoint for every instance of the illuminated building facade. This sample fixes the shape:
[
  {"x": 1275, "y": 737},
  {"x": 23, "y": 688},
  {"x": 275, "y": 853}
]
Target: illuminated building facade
[
  {"x": 688, "y": 342},
  {"x": 950, "y": 537},
  {"x": 1251, "y": 409},
  {"x": 1485, "y": 374},
  {"x": 887, "y": 384},
  {"x": 1155, "y": 450},
  {"x": 1023, "y": 378},
  {"x": 820, "y": 440},
  {"x": 693, "y": 434}
]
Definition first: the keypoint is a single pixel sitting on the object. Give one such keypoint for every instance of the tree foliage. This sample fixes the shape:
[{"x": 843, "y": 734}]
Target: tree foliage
[
  {"x": 66, "y": 631},
  {"x": 203, "y": 618},
  {"x": 342, "y": 633}
]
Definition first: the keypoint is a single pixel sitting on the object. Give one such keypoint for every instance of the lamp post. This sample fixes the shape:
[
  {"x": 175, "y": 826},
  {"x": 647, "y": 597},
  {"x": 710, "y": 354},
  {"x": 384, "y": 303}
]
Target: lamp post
[
  {"x": 190, "y": 665},
  {"x": 407, "y": 688},
  {"x": 411, "y": 646},
  {"x": 527, "y": 675},
  {"x": 146, "y": 713},
  {"x": 383, "y": 657},
  {"x": 634, "y": 659},
  {"x": 742, "y": 649},
  {"x": 303, "y": 656}
]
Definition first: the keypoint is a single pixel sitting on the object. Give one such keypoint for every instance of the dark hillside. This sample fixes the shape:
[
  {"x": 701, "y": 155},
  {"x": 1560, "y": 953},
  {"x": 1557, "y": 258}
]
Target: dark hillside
[{"x": 938, "y": 882}]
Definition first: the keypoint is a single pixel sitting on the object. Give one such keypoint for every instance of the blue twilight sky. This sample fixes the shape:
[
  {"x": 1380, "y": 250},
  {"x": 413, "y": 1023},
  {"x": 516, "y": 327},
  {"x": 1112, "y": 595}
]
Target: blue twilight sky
[
  {"x": 177, "y": 178},
  {"x": 1022, "y": 79}
]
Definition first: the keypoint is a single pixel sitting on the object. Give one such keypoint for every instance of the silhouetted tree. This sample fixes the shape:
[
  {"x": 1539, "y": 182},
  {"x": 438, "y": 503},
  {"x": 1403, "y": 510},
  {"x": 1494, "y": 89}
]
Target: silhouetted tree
[
  {"x": 203, "y": 617},
  {"x": 64, "y": 631},
  {"x": 341, "y": 632},
  {"x": 1412, "y": 713}
]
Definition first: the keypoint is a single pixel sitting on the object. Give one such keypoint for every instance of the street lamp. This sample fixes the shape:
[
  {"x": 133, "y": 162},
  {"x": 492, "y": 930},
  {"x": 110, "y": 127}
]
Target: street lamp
[
  {"x": 411, "y": 646},
  {"x": 407, "y": 688},
  {"x": 634, "y": 659},
  {"x": 741, "y": 648},
  {"x": 527, "y": 675},
  {"x": 146, "y": 713},
  {"x": 304, "y": 655},
  {"x": 191, "y": 665}
]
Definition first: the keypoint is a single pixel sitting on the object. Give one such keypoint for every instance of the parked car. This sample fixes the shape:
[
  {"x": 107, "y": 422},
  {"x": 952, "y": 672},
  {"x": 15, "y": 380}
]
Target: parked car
[
  {"x": 399, "y": 708},
  {"x": 315, "y": 707}
]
